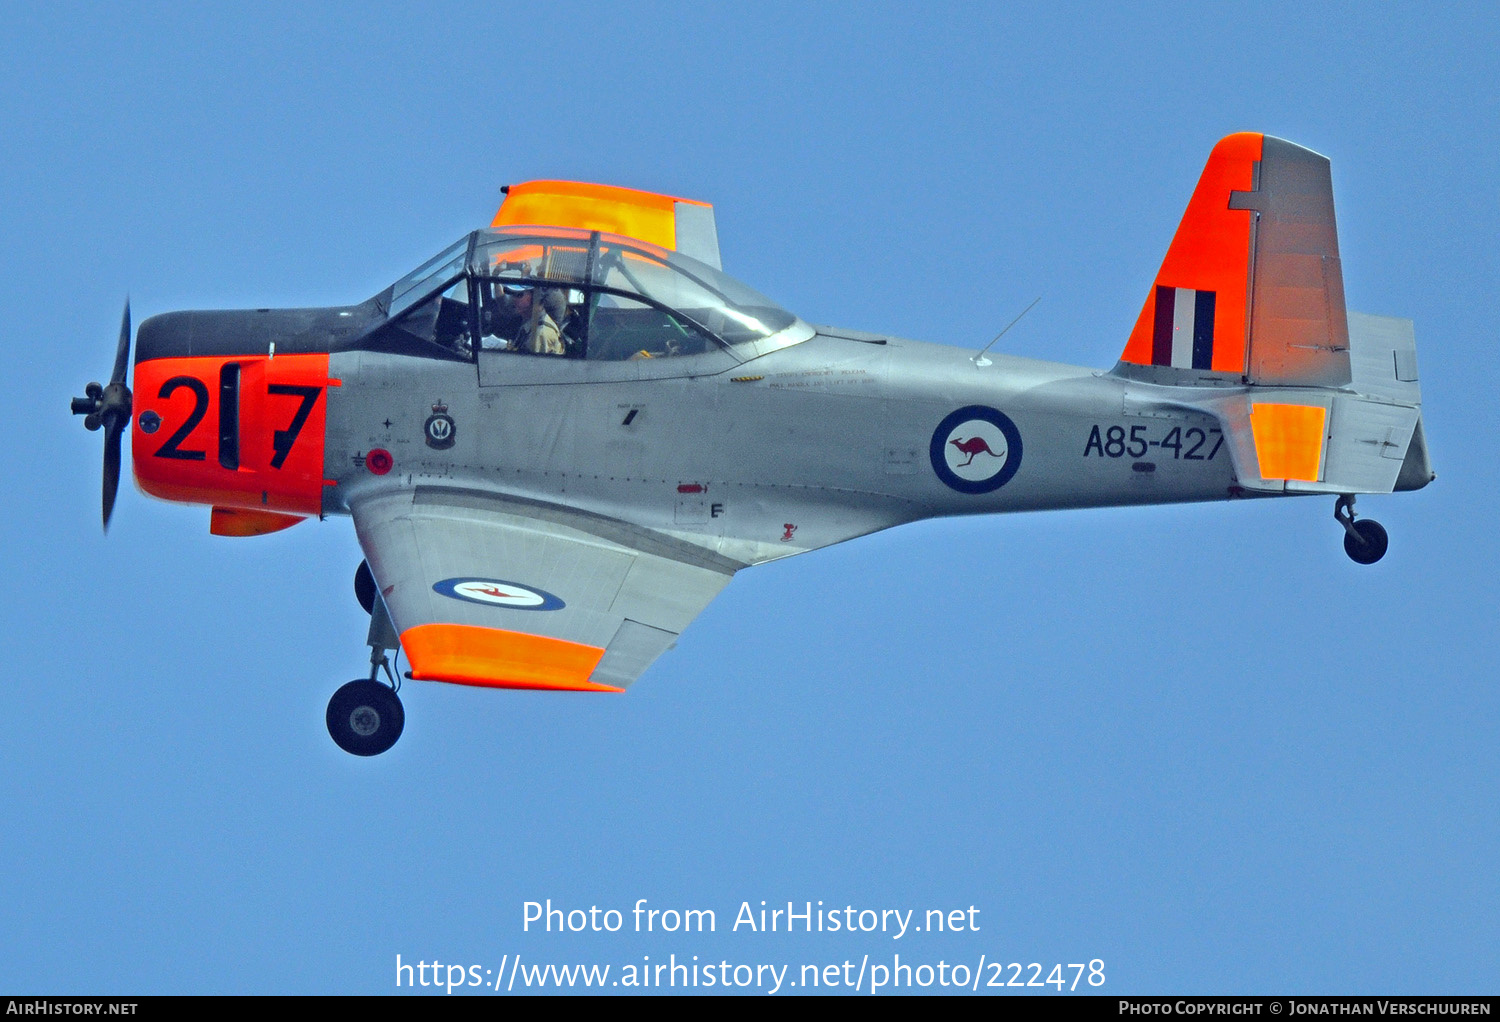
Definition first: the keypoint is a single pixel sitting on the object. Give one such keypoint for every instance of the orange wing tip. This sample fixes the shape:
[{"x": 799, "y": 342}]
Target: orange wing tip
[
  {"x": 1289, "y": 440},
  {"x": 647, "y": 216},
  {"x": 497, "y": 658},
  {"x": 233, "y": 521}
]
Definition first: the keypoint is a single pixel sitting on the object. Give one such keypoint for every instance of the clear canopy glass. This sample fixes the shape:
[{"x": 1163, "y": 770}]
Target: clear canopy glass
[
  {"x": 708, "y": 298},
  {"x": 433, "y": 275},
  {"x": 583, "y": 295}
]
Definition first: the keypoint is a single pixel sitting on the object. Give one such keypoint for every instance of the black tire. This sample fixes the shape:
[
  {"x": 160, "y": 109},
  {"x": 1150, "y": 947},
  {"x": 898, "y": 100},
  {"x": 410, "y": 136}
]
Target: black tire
[
  {"x": 1374, "y": 545},
  {"x": 365, "y": 718},
  {"x": 364, "y": 587}
]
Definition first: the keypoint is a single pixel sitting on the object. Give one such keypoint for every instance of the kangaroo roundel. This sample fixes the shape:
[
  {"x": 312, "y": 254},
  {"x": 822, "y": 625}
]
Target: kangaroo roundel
[{"x": 976, "y": 449}]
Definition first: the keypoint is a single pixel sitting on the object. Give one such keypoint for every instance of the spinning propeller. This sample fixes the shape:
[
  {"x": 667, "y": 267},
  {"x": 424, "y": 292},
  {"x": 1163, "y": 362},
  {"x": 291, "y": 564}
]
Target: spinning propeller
[{"x": 110, "y": 407}]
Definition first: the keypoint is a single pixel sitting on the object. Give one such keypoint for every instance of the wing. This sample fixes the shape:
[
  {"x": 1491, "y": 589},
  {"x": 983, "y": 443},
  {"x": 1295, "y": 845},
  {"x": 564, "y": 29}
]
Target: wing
[{"x": 488, "y": 591}]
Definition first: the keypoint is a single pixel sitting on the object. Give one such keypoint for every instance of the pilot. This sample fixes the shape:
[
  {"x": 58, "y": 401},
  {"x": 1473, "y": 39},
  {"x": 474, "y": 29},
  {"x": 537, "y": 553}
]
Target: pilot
[{"x": 530, "y": 318}]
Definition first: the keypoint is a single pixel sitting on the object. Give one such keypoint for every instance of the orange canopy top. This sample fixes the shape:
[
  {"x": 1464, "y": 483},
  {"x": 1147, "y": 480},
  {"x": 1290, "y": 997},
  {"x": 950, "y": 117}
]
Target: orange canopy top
[{"x": 648, "y": 216}]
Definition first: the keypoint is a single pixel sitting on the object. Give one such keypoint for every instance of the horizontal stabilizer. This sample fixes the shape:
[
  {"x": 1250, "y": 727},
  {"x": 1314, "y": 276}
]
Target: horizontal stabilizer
[
  {"x": 1309, "y": 441},
  {"x": 1383, "y": 358}
]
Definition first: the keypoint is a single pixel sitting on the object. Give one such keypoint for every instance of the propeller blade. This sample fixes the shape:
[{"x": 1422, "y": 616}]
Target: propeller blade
[
  {"x": 112, "y": 433},
  {"x": 111, "y": 408},
  {"x": 122, "y": 353}
]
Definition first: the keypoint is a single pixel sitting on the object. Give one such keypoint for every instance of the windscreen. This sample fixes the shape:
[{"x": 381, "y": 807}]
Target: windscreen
[{"x": 435, "y": 273}]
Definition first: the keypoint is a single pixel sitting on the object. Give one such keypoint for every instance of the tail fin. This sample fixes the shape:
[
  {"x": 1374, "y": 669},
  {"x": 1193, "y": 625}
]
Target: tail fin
[
  {"x": 1251, "y": 284},
  {"x": 1251, "y": 292}
]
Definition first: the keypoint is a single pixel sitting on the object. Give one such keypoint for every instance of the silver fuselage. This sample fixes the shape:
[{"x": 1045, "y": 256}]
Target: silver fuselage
[{"x": 796, "y": 449}]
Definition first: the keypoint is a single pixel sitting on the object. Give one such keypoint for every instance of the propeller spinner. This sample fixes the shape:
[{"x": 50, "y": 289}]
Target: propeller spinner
[{"x": 110, "y": 407}]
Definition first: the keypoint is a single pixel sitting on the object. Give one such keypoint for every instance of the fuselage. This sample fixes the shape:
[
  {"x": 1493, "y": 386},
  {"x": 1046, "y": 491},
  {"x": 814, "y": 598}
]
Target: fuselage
[{"x": 840, "y": 435}]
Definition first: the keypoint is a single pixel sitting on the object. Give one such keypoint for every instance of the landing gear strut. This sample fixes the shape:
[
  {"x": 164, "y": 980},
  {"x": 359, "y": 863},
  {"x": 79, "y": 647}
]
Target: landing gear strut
[
  {"x": 1365, "y": 541},
  {"x": 365, "y": 717}
]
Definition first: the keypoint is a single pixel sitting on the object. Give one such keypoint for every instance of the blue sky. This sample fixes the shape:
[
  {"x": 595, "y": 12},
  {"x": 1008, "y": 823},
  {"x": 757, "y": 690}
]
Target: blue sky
[{"x": 1196, "y": 743}]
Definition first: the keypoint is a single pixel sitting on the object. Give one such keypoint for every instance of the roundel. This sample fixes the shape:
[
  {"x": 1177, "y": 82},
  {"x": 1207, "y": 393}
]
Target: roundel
[
  {"x": 975, "y": 449},
  {"x": 496, "y": 592}
]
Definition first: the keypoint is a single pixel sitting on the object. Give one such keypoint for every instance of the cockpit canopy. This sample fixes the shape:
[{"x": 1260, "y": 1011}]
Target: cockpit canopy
[{"x": 584, "y": 295}]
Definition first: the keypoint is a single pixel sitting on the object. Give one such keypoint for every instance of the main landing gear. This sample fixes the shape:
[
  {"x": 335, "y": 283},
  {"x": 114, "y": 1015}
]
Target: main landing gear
[
  {"x": 365, "y": 717},
  {"x": 1364, "y": 541}
]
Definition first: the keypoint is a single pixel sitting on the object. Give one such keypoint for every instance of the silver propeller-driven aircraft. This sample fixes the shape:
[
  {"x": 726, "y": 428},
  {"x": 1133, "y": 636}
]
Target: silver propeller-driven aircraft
[{"x": 562, "y": 436}]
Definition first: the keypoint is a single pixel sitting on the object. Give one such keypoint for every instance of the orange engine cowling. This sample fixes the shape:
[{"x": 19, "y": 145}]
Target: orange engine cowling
[{"x": 234, "y": 431}]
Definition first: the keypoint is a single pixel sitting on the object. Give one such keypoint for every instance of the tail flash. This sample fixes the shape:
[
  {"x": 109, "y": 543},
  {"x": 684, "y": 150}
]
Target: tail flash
[{"x": 1251, "y": 284}]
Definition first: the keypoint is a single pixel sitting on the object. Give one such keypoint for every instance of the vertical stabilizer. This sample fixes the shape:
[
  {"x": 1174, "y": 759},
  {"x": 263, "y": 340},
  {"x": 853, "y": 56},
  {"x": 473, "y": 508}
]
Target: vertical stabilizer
[{"x": 1251, "y": 284}]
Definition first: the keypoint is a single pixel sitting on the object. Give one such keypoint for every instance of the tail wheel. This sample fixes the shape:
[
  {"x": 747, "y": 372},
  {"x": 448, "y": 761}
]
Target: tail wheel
[{"x": 1370, "y": 544}]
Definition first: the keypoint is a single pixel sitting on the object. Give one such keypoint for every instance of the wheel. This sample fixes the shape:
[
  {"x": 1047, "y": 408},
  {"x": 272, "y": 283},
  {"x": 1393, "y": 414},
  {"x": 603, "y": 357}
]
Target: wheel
[
  {"x": 365, "y": 718},
  {"x": 364, "y": 587},
  {"x": 1374, "y": 545}
]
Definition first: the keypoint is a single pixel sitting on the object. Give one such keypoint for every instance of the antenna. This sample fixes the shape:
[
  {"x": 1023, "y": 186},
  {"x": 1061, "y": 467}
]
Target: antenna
[{"x": 979, "y": 359}]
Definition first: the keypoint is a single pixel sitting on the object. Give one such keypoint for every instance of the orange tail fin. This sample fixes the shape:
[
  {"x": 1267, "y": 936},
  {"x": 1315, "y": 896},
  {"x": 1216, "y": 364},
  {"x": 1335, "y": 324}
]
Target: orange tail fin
[{"x": 1251, "y": 284}]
